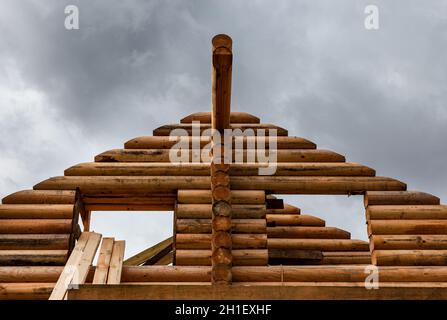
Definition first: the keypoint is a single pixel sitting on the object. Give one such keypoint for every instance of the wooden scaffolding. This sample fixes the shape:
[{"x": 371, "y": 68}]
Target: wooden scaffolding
[{"x": 232, "y": 239}]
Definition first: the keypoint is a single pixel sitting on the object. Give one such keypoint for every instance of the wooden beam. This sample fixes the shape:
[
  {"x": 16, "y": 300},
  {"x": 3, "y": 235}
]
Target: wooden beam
[
  {"x": 166, "y": 259},
  {"x": 41, "y": 197},
  {"x": 274, "y": 220},
  {"x": 307, "y": 232},
  {"x": 203, "y": 241},
  {"x": 397, "y": 212},
  {"x": 34, "y": 241},
  {"x": 167, "y": 142},
  {"x": 36, "y": 211},
  {"x": 238, "y": 156},
  {"x": 311, "y": 273},
  {"x": 346, "y": 257},
  {"x": 25, "y": 291},
  {"x": 316, "y": 185},
  {"x": 204, "y": 129},
  {"x": 240, "y": 257},
  {"x": 407, "y": 227},
  {"x": 203, "y": 169},
  {"x": 205, "y": 197},
  {"x": 297, "y": 291},
  {"x": 318, "y": 244},
  {"x": 399, "y": 198},
  {"x": 409, "y": 257},
  {"x": 236, "y": 225},
  {"x": 32, "y": 257},
  {"x": 35, "y": 226},
  {"x": 281, "y": 185},
  {"x": 146, "y": 254},
  {"x": 203, "y": 211},
  {"x": 222, "y": 46},
  {"x": 408, "y": 242}
]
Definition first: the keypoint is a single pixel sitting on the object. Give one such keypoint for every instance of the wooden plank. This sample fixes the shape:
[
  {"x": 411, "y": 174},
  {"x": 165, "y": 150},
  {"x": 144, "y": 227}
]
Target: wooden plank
[
  {"x": 102, "y": 268},
  {"x": 297, "y": 291},
  {"x": 116, "y": 263},
  {"x": 69, "y": 271},
  {"x": 86, "y": 259},
  {"x": 78, "y": 264},
  {"x": 146, "y": 254}
]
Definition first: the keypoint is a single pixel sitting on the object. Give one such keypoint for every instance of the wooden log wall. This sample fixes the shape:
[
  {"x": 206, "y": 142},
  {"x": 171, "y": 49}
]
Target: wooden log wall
[
  {"x": 193, "y": 239},
  {"x": 38, "y": 227},
  {"x": 290, "y": 237},
  {"x": 406, "y": 228}
]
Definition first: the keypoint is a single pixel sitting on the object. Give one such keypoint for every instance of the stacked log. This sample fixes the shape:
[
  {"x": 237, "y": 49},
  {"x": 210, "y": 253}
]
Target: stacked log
[
  {"x": 194, "y": 227},
  {"x": 406, "y": 228},
  {"x": 301, "y": 239},
  {"x": 38, "y": 228}
]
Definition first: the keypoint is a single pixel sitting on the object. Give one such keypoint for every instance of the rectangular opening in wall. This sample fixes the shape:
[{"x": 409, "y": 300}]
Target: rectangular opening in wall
[{"x": 140, "y": 229}]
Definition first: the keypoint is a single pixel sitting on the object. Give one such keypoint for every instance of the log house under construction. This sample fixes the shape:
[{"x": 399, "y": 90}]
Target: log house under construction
[{"x": 232, "y": 238}]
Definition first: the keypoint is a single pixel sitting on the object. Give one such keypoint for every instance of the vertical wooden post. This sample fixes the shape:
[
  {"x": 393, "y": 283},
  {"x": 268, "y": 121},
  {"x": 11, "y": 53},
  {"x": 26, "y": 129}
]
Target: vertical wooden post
[{"x": 221, "y": 243}]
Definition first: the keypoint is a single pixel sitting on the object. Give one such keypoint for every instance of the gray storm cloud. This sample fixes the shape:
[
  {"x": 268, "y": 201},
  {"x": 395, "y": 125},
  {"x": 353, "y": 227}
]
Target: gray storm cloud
[{"x": 378, "y": 97}]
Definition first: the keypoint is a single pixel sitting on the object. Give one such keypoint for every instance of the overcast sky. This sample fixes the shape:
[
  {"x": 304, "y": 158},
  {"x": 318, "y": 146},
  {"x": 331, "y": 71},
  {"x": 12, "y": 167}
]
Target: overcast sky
[{"x": 377, "y": 96}]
